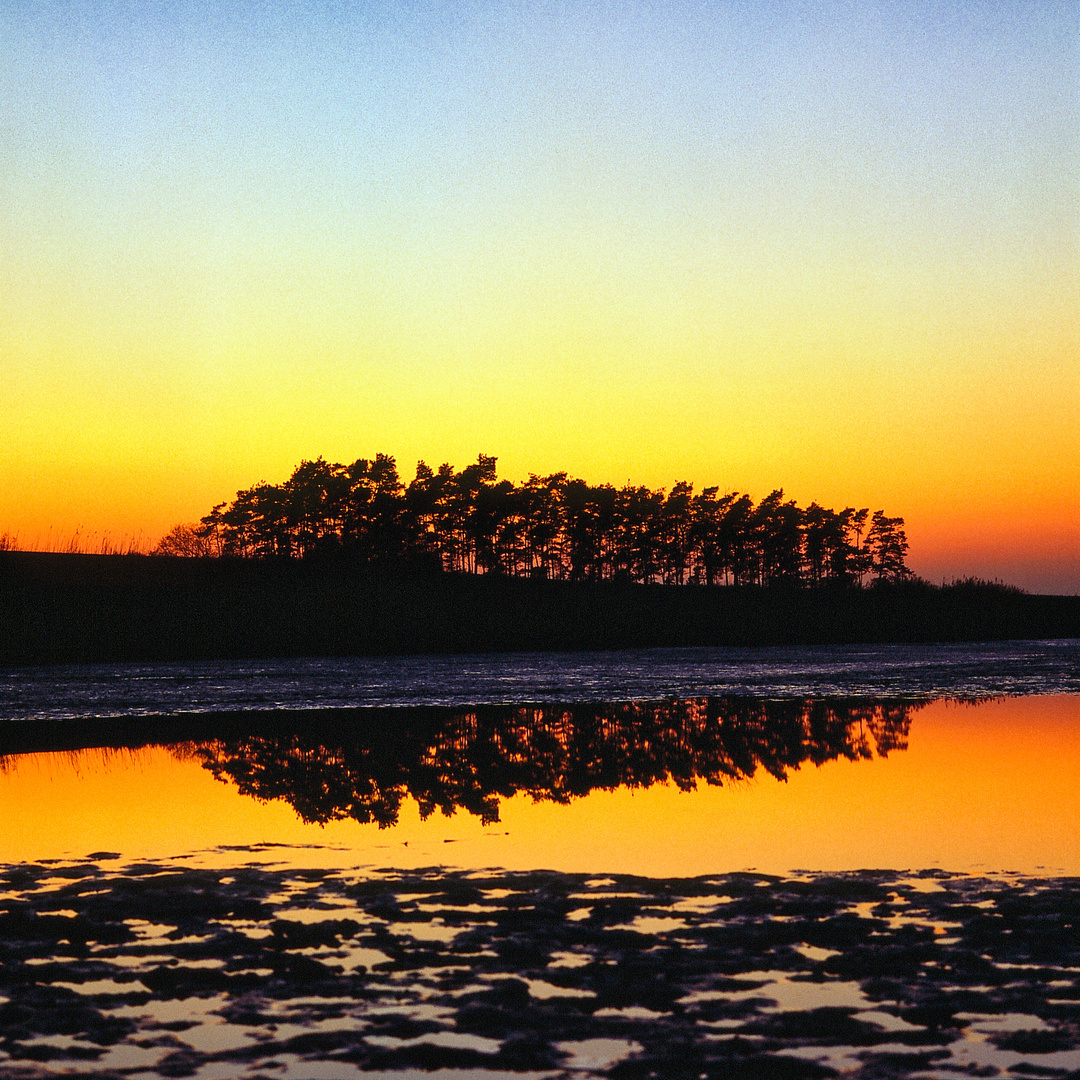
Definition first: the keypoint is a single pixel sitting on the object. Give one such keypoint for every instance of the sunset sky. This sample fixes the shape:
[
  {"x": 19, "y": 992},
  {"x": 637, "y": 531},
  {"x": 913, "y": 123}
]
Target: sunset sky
[{"x": 828, "y": 247}]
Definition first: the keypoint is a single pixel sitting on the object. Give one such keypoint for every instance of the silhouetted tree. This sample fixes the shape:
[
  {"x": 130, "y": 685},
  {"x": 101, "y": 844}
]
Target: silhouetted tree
[
  {"x": 589, "y": 518},
  {"x": 550, "y": 526},
  {"x": 849, "y": 560},
  {"x": 422, "y": 499},
  {"x": 188, "y": 540},
  {"x": 542, "y": 508},
  {"x": 316, "y": 500},
  {"x": 674, "y": 534},
  {"x": 737, "y": 540},
  {"x": 375, "y": 508},
  {"x": 779, "y": 540},
  {"x": 887, "y": 545}
]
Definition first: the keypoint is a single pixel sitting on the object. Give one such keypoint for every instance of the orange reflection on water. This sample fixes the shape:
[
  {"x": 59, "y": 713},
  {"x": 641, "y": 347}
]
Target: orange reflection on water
[
  {"x": 981, "y": 787},
  {"x": 987, "y": 787}
]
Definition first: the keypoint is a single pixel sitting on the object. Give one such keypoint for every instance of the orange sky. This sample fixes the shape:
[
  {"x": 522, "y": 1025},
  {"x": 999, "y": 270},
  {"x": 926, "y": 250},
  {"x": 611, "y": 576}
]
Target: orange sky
[{"x": 827, "y": 247}]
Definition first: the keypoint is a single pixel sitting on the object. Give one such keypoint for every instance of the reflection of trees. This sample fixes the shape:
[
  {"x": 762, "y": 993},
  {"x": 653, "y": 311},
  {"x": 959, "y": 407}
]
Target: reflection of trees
[{"x": 473, "y": 758}]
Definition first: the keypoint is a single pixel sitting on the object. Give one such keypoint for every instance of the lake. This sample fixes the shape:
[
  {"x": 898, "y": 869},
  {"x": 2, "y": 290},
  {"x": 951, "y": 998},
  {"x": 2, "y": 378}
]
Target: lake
[
  {"x": 980, "y": 774},
  {"x": 848, "y": 861}
]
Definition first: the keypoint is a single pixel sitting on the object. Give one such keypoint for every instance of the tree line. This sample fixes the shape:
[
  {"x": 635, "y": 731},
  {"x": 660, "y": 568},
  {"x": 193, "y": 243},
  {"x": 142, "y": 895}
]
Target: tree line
[{"x": 556, "y": 527}]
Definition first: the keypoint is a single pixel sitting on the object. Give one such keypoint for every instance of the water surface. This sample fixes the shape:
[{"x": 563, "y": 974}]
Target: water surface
[
  {"x": 914, "y": 671},
  {"x": 721, "y": 859},
  {"x": 697, "y": 788}
]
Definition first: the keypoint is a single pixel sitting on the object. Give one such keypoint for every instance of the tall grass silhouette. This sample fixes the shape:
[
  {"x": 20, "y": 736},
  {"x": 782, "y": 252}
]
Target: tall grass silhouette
[{"x": 79, "y": 543}]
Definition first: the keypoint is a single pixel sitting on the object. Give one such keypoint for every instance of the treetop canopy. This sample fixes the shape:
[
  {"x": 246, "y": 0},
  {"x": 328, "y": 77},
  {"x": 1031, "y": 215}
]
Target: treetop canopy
[{"x": 551, "y": 526}]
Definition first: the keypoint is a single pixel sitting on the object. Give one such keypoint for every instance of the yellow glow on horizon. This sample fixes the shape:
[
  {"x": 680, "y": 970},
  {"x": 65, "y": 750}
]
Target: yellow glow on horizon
[{"x": 750, "y": 248}]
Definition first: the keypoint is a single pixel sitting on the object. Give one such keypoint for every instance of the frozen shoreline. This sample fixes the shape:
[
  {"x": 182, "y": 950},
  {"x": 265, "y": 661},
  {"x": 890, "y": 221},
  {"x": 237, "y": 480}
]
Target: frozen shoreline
[{"x": 171, "y": 969}]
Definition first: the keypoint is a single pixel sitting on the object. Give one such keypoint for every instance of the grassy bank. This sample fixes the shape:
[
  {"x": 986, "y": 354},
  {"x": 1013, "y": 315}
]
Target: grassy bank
[{"x": 62, "y": 608}]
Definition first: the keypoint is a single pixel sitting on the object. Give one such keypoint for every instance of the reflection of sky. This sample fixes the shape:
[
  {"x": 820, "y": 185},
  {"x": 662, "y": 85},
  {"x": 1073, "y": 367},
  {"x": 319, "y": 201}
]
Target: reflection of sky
[
  {"x": 825, "y": 246},
  {"x": 988, "y": 787}
]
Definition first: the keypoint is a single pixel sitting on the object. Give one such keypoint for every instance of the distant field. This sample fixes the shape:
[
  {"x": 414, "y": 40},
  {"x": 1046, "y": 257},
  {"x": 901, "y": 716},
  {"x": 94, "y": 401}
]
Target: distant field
[{"x": 72, "y": 608}]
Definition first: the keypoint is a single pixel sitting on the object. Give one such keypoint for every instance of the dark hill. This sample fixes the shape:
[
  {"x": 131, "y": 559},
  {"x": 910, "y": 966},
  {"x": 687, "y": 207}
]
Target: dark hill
[{"x": 57, "y": 608}]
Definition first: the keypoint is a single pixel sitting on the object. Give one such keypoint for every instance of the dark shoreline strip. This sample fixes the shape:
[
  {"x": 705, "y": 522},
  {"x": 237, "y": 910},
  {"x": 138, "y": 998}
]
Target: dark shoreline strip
[
  {"x": 103, "y": 608},
  {"x": 135, "y": 731}
]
